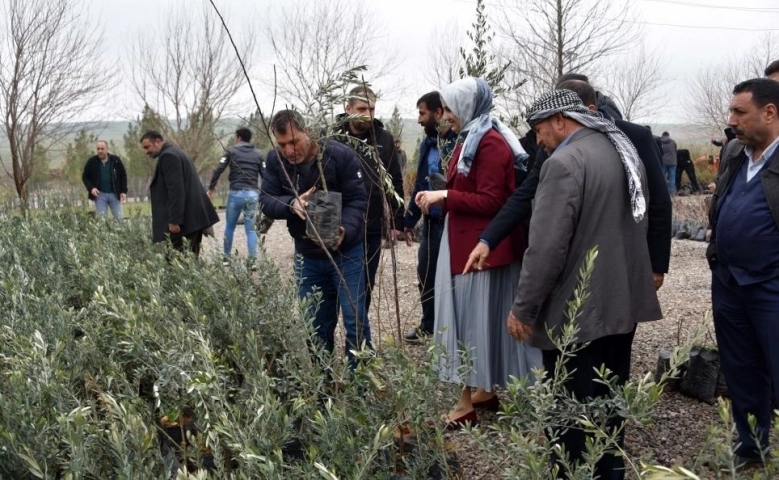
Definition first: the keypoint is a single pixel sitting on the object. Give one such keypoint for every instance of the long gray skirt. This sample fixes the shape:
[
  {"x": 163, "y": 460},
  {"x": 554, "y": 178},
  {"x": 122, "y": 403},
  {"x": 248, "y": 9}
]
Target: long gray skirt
[{"x": 470, "y": 325}]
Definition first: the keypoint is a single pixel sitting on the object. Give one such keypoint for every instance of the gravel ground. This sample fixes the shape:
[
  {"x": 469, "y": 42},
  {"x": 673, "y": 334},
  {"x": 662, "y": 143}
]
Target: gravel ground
[{"x": 679, "y": 425}]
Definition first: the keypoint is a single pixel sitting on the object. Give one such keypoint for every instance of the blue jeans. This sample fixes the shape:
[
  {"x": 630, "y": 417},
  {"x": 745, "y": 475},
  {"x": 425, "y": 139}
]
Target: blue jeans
[
  {"x": 314, "y": 274},
  {"x": 105, "y": 200},
  {"x": 246, "y": 201},
  {"x": 670, "y": 176}
]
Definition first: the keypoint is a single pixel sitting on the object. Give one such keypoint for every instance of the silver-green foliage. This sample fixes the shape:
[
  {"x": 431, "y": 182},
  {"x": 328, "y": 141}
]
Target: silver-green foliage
[
  {"x": 538, "y": 412},
  {"x": 101, "y": 336}
]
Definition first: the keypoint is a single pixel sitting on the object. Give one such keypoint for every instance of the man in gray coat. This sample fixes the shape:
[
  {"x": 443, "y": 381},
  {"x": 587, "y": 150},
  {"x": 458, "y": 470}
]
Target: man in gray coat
[{"x": 591, "y": 194}]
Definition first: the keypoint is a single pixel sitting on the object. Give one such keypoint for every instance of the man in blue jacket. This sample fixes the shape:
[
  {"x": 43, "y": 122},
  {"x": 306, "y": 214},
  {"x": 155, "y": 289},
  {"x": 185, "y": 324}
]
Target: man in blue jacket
[
  {"x": 435, "y": 145},
  {"x": 293, "y": 172},
  {"x": 744, "y": 259}
]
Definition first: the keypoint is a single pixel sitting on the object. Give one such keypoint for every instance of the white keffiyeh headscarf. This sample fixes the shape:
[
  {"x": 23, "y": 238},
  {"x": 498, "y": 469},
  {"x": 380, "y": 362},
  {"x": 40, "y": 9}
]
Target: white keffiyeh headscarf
[
  {"x": 568, "y": 104},
  {"x": 470, "y": 100}
]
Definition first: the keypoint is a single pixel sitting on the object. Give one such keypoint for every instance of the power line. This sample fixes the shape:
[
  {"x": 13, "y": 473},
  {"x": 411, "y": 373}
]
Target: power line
[
  {"x": 705, "y": 27},
  {"x": 721, "y": 7},
  {"x": 675, "y": 25}
]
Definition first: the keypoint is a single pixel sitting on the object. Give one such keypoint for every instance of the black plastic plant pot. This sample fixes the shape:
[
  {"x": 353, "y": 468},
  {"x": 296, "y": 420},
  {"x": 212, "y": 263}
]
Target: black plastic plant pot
[
  {"x": 174, "y": 433},
  {"x": 324, "y": 216},
  {"x": 437, "y": 181}
]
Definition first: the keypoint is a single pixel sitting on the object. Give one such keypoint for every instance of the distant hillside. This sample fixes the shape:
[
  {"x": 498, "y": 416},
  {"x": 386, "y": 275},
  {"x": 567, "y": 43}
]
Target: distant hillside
[{"x": 687, "y": 135}]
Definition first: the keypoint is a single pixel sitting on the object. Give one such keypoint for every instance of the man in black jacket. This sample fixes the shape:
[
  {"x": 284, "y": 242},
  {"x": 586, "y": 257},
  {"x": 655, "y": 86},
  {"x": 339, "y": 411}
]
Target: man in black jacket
[
  {"x": 684, "y": 165},
  {"x": 366, "y": 135},
  {"x": 518, "y": 207},
  {"x": 293, "y": 172},
  {"x": 245, "y": 163},
  {"x": 180, "y": 208},
  {"x": 106, "y": 181}
]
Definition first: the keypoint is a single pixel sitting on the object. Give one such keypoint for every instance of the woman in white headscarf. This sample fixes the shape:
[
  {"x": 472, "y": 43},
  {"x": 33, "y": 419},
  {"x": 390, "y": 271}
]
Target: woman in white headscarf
[{"x": 470, "y": 309}]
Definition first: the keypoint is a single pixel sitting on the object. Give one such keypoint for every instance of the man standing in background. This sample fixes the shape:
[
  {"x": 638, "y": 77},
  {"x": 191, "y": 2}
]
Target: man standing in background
[
  {"x": 245, "y": 163},
  {"x": 668, "y": 147},
  {"x": 106, "y": 181}
]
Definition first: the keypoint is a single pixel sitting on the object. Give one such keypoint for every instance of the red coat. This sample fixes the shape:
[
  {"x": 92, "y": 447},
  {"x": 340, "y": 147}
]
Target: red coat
[{"x": 473, "y": 200}]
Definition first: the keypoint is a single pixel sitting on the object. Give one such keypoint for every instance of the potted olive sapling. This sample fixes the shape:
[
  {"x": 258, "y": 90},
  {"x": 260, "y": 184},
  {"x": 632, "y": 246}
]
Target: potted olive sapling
[{"x": 323, "y": 212}]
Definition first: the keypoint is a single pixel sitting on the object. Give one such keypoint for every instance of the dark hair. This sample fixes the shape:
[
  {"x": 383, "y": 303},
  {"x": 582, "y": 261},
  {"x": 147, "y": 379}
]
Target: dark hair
[
  {"x": 432, "y": 100},
  {"x": 244, "y": 134},
  {"x": 284, "y": 118},
  {"x": 572, "y": 76},
  {"x": 665, "y": 134},
  {"x": 361, "y": 93},
  {"x": 772, "y": 68},
  {"x": 763, "y": 90},
  {"x": 152, "y": 135},
  {"x": 583, "y": 89}
]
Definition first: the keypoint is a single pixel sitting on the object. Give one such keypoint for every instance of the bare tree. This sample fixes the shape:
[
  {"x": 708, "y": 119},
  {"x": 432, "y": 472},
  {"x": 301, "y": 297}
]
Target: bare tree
[
  {"x": 546, "y": 38},
  {"x": 48, "y": 75},
  {"x": 634, "y": 82},
  {"x": 444, "y": 61},
  {"x": 314, "y": 43},
  {"x": 712, "y": 88},
  {"x": 187, "y": 74}
]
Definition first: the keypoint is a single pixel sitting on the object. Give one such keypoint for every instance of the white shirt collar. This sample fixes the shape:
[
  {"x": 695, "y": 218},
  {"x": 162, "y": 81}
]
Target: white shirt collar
[{"x": 749, "y": 150}]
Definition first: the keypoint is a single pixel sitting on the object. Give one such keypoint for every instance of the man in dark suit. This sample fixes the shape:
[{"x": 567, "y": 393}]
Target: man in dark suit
[
  {"x": 180, "y": 208},
  {"x": 518, "y": 208},
  {"x": 744, "y": 259}
]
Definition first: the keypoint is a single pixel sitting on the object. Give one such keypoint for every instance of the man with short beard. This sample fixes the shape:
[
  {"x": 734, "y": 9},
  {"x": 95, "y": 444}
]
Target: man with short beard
[
  {"x": 373, "y": 143},
  {"x": 436, "y": 145},
  {"x": 181, "y": 211}
]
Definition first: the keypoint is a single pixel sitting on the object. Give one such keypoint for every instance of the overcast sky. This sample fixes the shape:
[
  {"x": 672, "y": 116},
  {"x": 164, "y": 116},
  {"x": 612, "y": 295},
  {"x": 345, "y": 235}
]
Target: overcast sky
[{"x": 690, "y": 34}]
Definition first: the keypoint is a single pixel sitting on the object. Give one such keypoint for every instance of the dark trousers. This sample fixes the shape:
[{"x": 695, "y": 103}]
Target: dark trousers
[
  {"x": 190, "y": 242},
  {"x": 746, "y": 320},
  {"x": 429, "y": 245},
  {"x": 372, "y": 257},
  {"x": 689, "y": 168},
  {"x": 613, "y": 351}
]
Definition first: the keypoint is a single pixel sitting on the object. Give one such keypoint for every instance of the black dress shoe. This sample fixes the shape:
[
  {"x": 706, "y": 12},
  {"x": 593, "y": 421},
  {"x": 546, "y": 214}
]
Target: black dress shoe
[{"x": 417, "y": 335}]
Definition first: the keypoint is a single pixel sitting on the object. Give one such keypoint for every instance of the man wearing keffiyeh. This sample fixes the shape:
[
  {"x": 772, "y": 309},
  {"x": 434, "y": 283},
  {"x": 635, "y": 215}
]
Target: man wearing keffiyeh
[{"x": 590, "y": 194}]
